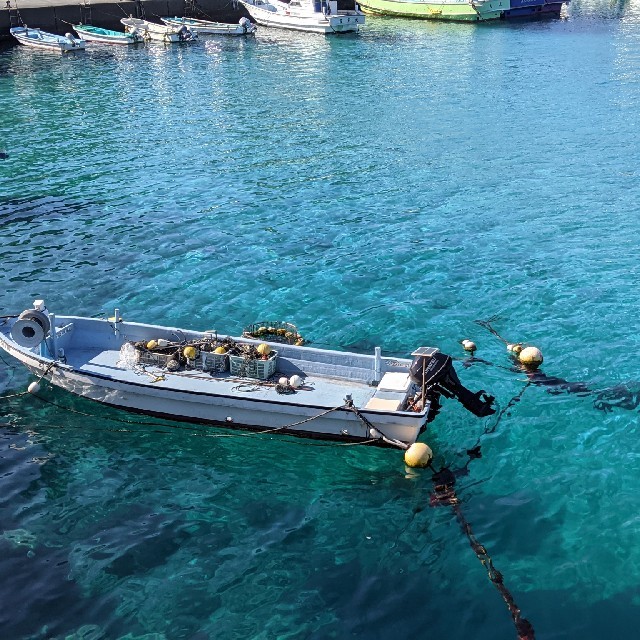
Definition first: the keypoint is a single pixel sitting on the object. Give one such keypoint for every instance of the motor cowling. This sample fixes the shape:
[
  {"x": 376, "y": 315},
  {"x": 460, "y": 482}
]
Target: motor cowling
[{"x": 433, "y": 371}]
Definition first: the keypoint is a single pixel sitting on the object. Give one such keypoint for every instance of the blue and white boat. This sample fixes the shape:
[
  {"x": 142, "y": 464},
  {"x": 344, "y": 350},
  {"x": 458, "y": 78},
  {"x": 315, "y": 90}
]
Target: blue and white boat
[
  {"x": 106, "y": 36},
  {"x": 49, "y": 41},
  {"x": 249, "y": 383},
  {"x": 207, "y": 27}
]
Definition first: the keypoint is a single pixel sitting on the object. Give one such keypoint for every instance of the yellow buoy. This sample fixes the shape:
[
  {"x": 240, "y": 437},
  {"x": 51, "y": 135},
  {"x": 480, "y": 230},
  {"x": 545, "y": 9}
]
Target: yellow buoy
[
  {"x": 469, "y": 345},
  {"x": 151, "y": 345},
  {"x": 418, "y": 455},
  {"x": 263, "y": 349},
  {"x": 219, "y": 350},
  {"x": 531, "y": 357},
  {"x": 190, "y": 352}
]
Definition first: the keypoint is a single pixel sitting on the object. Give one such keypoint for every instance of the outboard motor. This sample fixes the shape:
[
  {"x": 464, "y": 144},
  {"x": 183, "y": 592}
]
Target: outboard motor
[
  {"x": 433, "y": 371},
  {"x": 186, "y": 34},
  {"x": 72, "y": 40},
  {"x": 245, "y": 23}
]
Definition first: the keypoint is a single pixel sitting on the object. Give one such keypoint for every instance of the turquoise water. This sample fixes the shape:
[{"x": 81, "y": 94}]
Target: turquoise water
[{"x": 388, "y": 188}]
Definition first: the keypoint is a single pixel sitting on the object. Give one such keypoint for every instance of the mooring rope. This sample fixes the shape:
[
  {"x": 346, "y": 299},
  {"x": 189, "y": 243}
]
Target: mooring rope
[
  {"x": 488, "y": 326},
  {"x": 444, "y": 494},
  {"x": 372, "y": 428},
  {"x": 24, "y": 393}
]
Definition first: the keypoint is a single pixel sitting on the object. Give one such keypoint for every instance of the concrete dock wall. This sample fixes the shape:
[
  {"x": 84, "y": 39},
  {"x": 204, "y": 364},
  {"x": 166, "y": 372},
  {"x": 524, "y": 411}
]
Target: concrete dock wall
[{"x": 56, "y": 16}]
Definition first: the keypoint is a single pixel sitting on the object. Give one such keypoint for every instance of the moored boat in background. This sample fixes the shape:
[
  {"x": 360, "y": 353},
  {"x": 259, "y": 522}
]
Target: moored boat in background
[
  {"x": 463, "y": 10},
  {"x": 460, "y": 10},
  {"x": 39, "y": 39},
  {"x": 316, "y": 16},
  {"x": 533, "y": 8},
  {"x": 106, "y": 36},
  {"x": 209, "y": 27},
  {"x": 158, "y": 32}
]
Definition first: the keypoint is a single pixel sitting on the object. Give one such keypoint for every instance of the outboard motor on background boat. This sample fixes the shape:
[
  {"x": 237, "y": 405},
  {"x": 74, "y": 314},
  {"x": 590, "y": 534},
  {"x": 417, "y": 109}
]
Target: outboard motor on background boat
[
  {"x": 246, "y": 24},
  {"x": 32, "y": 326},
  {"x": 186, "y": 34},
  {"x": 433, "y": 371}
]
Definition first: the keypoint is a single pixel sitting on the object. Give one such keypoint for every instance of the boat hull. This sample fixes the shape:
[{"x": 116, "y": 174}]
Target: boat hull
[
  {"x": 532, "y": 9},
  {"x": 247, "y": 414},
  {"x": 455, "y": 10},
  {"x": 37, "y": 39}
]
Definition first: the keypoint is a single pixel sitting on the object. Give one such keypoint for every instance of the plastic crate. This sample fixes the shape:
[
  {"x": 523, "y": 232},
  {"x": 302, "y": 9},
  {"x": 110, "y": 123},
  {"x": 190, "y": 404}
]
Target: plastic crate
[
  {"x": 214, "y": 362},
  {"x": 154, "y": 359},
  {"x": 260, "y": 369}
]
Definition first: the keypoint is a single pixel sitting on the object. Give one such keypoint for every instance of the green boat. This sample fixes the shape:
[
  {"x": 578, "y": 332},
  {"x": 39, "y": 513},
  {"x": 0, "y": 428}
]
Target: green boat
[{"x": 463, "y": 10}]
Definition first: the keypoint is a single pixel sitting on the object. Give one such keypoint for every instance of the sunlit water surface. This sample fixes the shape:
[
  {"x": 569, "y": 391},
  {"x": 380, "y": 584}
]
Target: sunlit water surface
[{"x": 387, "y": 188}]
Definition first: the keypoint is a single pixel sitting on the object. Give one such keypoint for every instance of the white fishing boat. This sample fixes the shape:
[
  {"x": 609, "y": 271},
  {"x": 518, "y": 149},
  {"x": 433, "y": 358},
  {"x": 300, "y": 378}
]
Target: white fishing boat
[
  {"x": 159, "y": 32},
  {"x": 43, "y": 40},
  {"x": 316, "y": 16},
  {"x": 259, "y": 381},
  {"x": 106, "y": 36},
  {"x": 208, "y": 27}
]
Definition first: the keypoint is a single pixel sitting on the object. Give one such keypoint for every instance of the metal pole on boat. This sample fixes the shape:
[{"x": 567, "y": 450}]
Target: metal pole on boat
[
  {"x": 378, "y": 364},
  {"x": 424, "y": 382},
  {"x": 116, "y": 319},
  {"x": 54, "y": 337}
]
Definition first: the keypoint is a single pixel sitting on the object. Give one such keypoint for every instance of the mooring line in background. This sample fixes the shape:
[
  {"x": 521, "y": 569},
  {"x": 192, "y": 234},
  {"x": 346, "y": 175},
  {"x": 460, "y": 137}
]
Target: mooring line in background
[{"x": 444, "y": 494}]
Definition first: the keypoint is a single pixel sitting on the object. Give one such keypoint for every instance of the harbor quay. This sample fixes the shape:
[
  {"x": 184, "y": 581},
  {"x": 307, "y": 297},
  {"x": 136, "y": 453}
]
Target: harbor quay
[{"x": 57, "y": 16}]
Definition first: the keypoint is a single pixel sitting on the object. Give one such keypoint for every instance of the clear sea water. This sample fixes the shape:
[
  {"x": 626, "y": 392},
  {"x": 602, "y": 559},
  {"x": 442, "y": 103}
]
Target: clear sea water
[{"x": 388, "y": 188}]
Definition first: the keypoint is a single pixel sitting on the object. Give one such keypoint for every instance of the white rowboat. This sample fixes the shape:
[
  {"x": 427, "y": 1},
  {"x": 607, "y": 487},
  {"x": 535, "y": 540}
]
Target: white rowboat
[
  {"x": 159, "y": 32},
  {"x": 208, "y": 27},
  {"x": 299, "y": 390},
  {"x": 43, "y": 40}
]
